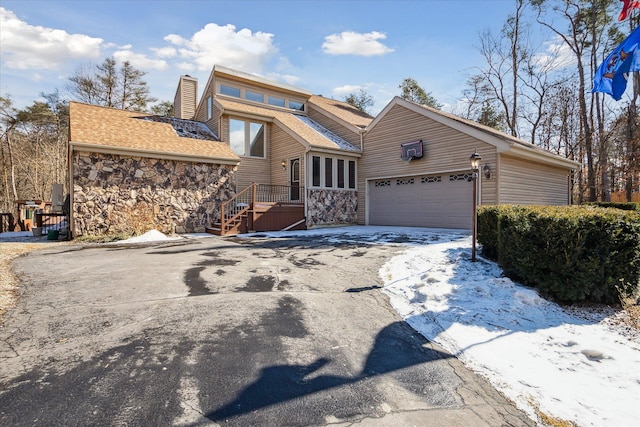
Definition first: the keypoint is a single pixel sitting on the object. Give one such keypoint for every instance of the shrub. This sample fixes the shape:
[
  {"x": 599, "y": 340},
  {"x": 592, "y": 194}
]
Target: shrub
[{"x": 569, "y": 253}]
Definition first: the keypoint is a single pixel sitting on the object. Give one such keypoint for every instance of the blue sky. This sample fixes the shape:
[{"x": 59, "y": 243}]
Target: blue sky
[{"x": 331, "y": 48}]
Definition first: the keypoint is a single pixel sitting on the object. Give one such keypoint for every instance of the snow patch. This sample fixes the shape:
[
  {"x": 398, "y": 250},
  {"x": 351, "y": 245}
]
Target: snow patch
[{"x": 530, "y": 349}]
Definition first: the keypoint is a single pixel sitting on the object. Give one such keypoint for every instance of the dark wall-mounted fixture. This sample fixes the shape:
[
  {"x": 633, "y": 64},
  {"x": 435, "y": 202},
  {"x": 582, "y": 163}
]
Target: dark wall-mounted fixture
[
  {"x": 284, "y": 164},
  {"x": 486, "y": 170}
]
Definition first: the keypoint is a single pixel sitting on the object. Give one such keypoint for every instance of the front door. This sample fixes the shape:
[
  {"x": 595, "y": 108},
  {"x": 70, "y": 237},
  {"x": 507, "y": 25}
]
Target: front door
[{"x": 294, "y": 178}]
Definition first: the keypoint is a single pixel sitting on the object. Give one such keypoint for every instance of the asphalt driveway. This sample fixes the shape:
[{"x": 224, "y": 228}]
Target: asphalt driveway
[{"x": 254, "y": 331}]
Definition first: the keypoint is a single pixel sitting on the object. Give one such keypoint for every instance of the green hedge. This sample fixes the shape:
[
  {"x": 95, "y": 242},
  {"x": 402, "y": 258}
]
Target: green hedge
[{"x": 569, "y": 253}]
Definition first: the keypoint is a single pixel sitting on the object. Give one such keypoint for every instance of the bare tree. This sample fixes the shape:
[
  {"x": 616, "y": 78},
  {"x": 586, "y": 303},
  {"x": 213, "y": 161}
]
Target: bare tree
[
  {"x": 110, "y": 86},
  {"x": 582, "y": 19},
  {"x": 9, "y": 121}
]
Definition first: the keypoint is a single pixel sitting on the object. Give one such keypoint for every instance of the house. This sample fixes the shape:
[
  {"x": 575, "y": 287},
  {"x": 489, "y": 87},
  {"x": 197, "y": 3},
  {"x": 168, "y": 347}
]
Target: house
[{"x": 254, "y": 154}]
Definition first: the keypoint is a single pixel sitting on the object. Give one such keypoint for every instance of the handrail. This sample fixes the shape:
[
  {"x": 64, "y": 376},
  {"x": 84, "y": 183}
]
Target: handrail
[
  {"x": 237, "y": 209},
  {"x": 241, "y": 203}
]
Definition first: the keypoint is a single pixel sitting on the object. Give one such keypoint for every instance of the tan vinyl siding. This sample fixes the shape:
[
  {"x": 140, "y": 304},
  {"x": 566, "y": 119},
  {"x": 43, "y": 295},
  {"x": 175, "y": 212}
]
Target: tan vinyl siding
[
  {"x": 523, "y": 182},
  {"x": 445, "y": 149},
  {"x": 184, "y": 102},
  {"x": 284, "y": 147},
  {"x": 338, "y": 129}
]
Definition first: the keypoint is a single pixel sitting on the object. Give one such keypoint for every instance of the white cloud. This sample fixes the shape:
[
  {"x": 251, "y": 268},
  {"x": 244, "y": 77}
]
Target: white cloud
[
  {"x": 140, "y": 61},
  {"x": 346, "y": 89},
  {"x": 214, "y": 44},
  {"x": 165, "y": 52},
  {"x": 287, "y": 78},
  {"x": 558, "y": 55},
  {"x": 352, "y": 43},
  {"x": 185, "y": 66},
  {"x": 26, "y": 46}
]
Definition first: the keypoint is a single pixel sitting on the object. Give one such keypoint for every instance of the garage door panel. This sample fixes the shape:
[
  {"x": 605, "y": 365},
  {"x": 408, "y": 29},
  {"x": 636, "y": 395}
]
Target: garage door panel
[{"x": 441, "y": 201}]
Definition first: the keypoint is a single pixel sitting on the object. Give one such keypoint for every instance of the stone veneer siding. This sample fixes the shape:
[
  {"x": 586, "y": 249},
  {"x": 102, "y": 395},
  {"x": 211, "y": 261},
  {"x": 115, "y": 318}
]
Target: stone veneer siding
[
  {"x": 331, "y": 207},
  {"x": 118, "y": 194}
]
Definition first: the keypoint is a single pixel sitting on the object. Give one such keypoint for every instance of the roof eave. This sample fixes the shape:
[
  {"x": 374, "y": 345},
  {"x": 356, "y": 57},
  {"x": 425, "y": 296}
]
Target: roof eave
[
  {"x": 355, "y": 129},
  {"x": 335, "y": 151},
  {"x": 126, "y": 151},
  {"x": 541, "y": 156}
]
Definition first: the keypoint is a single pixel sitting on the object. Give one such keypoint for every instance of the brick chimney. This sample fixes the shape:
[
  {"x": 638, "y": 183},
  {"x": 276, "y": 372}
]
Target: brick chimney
[{"x": 185, "y": 101}]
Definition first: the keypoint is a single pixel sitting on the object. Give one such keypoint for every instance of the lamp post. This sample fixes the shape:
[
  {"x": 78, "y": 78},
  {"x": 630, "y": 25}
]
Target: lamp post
[{"x": 475, "y": 163}]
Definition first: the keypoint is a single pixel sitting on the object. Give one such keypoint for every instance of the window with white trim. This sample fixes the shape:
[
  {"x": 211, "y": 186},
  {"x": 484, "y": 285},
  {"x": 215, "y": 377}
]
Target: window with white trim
[
  {"x": 209, "y": 107},
  {"x": 332, "y": 172},
  {"x": 247, "y": 138}
]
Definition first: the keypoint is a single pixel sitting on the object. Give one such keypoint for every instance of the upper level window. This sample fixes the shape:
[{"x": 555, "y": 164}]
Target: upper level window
[
  {"x": 253, "y": 96},
  {"x": 247, "y": 138},
  {"x": 263, "y": 98},
  {"x": 209, "y": 108},
  {"x": 294, "y": 105},
  {"x": 231, "y": 91},
  {"x": 275, "y": 101}
]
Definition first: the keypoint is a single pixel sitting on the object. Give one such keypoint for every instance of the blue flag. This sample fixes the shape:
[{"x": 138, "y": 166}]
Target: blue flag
[{"x": 611, "y": 76}]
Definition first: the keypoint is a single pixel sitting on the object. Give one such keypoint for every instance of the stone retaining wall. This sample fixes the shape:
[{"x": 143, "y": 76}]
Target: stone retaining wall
[
  {"x": 116, "y": 194},
  {"x": 331, "y": 207}
]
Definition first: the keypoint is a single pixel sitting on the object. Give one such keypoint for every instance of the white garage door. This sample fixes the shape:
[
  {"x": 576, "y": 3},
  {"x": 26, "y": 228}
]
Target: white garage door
[{"x": 441, "y": 201}]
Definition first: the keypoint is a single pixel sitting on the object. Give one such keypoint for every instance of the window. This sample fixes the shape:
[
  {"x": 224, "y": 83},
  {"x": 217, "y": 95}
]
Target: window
[
  {"x": 294, "y": 105},
  {"x": 231, "y": 91},
  {"x": 328, "y": 172},
  {"x": 352, "y": 174},
  {"x": 340, "y": 173},
  {"x": 247, "y": 138},
  {"x": 253, "y": 96},
  {"x": 256, "y": 140},
  {"x": 315, "y": 171},
  {"x": 277, "y": 102},
  {"x": 209, "y": 108}
]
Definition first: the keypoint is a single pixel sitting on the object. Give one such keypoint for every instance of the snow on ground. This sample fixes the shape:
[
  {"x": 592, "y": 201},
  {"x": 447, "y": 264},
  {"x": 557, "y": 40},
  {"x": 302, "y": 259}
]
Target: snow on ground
[
  {"x": 530, "y": 349},
  {"x": 149, "y": 236}
]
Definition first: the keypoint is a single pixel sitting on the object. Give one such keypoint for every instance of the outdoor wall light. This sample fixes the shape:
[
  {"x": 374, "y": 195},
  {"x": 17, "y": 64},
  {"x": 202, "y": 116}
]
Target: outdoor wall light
[
  {"x": 486, "y": 170},
  {"x": 284, "y": 164},
  {"x": 475, "y": 162}
]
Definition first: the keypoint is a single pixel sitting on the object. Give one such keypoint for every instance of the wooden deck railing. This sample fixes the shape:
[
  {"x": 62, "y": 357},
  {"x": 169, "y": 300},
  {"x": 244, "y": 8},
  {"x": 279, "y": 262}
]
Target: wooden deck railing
[{"x": 232, "y": 211}]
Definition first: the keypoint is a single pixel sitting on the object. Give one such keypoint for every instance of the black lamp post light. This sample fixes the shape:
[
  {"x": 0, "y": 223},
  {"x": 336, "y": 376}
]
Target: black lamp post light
[{"x": 475, "y": 163}]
